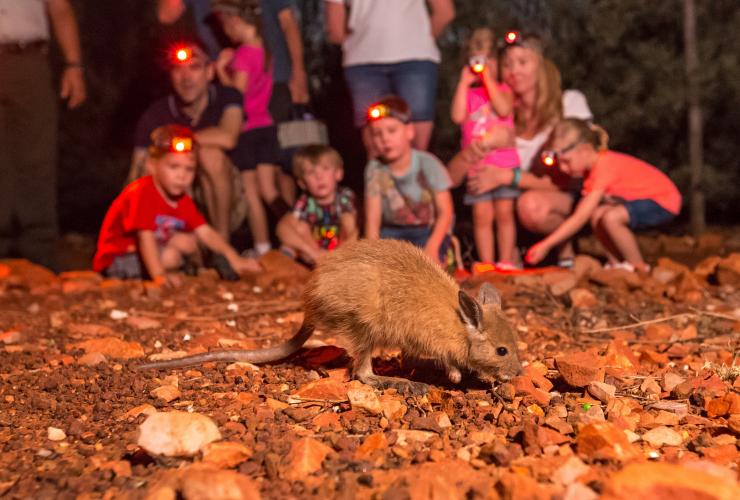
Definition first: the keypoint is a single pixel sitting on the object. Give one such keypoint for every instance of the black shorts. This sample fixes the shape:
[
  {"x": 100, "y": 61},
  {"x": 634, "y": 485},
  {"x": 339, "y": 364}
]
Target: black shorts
[{"x": 259, "y": 145}]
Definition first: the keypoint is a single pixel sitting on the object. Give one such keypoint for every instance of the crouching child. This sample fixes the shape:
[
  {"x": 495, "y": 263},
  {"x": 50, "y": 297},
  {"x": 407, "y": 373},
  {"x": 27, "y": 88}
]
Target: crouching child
[
  {"x": 324, "y": 216},
  {"x": 153, "y": 228}
]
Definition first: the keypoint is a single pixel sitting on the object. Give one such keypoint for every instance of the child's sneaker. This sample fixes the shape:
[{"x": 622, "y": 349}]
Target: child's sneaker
[
  {"x": 507, "y": 266},
  {"x": 625, "y": 266},
  {"x": 566, "y": 263},
  {"x": 223, "y": 268}
]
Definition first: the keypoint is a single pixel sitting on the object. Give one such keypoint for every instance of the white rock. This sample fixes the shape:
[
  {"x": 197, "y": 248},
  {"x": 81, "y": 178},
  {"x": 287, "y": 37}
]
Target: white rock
[
  {"x": 177, "y": 433},
  {"x": 56, "y": 434},
  {"x": 662, "y": 435}
]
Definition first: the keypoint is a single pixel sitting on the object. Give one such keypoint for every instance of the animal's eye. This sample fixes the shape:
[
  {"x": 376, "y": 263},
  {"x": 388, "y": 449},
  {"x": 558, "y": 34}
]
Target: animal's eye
[{"x": 502, "y": 351}]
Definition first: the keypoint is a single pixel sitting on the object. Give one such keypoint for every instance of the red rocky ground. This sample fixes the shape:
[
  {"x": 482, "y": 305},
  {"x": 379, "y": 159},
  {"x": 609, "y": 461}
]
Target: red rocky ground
[{"x": 630, "y": 391}]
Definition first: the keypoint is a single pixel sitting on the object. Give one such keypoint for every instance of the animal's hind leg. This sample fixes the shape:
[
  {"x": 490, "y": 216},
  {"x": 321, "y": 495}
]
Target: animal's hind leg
[{"x": 363, "y": 371}]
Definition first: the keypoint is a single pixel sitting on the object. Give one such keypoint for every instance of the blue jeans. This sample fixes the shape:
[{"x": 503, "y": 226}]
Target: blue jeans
[
  {"x": 414, "y": 81},
  {"x": 416, "y": 235},
  {"x": 647, "y": 213}
]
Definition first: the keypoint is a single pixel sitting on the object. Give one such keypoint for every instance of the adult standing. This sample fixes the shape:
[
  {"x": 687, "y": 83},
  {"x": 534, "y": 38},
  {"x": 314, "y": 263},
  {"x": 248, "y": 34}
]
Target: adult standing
[
  {"x": 28, "y": 121},
  {"x": 389, "y": 48},
  {"x": 539, "y": 103},
  {"x": 289, "y": 81}
]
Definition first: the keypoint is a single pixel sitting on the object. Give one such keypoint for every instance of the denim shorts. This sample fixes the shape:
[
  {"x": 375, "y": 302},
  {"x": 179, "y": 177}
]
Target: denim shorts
[
  {"x": 416, "y": 235},
  {"x": 414, "y": 81},
  {"x": 499, "y": 193},
  {"x": 647, "y": 213}
]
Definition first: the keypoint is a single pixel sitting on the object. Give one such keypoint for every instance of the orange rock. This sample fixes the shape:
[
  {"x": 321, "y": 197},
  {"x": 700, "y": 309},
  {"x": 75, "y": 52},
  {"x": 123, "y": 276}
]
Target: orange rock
[
  {"x": 728, "y": 270},
  {"x": 112, "y": 347},
  {"x": 213, "y": 484},
  {"x": 582, "y": 298},
  {"x": 226, "y": 454},
  {"x": 536, "y": 372},
  {"x": 707, "y": 267},
  {"x": 581, "y": 368},
  {"x": 92, "y": 359},
  {"x": 659, "y": 331},
  {"x": 371, "y": 445},
  {"x": 90, "y": 330},
  {"x": 584, "y": 265},
  {"x": 662, "y": 481},
  {"x": 725, "y": 454},
  {"x": 12, "y": 336},
  {"x": 617, "y": 278},
  {"x": 604, "y": 441},
  {"x": 523, "y": 385},
  {"x": 142, "y": 322},
  {"x": 512, "y": 485},
  {"x": 325, "y": 389},
  {"x": 393, "y": 407},
  {"x": 560, "y": 282},
  {"x": 547, "y": 437},
  {"x": 661, "y": 436},
  {"x": 305, "y": 457},
  {"x": 327, "y": 420},
  {"x": 363, "y": 397},
  {"x": 619, "y": 355},
  {"x": 166, "y": 393}
]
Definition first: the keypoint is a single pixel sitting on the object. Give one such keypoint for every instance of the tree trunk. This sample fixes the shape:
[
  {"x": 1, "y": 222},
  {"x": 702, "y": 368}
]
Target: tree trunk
[{"x": 695, "y": 132}]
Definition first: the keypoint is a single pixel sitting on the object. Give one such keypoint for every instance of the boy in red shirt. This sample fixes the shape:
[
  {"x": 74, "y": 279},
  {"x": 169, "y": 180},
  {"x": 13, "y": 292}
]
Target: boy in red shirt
[
  {"x": 621, "y": 193},
  {"x": 154, "y": 227}
]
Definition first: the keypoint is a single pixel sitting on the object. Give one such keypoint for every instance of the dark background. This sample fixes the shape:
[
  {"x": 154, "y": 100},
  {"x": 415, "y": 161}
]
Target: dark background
[{"x": 625, "y": 55}]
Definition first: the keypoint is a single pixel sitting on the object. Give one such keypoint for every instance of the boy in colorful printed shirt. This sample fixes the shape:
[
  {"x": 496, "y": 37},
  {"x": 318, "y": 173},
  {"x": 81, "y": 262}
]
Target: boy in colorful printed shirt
[
  {"x": 407, "y": 193},
  {"x": 154, "y": 227},
  {"x": 324, "y": 216}
]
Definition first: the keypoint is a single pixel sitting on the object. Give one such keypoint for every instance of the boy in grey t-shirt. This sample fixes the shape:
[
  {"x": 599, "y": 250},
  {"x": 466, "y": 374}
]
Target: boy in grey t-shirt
[{"x": 407, "y": 193}]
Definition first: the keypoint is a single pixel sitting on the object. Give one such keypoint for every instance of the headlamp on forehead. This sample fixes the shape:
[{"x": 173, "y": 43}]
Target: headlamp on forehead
[
  {"x": 477, "y": 64},
  {"x": 176, "y": 145},
  {"x": 512, "y": 37},
  {"x": 182, "y": 55},
  {"x": 549, "y": 158},
  {"x": 378, "y": 111}
]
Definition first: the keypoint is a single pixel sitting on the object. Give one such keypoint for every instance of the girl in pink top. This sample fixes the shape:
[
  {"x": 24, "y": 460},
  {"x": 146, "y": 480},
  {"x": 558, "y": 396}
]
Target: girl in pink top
[
  {"x": 620, "y": 193},
  {"x": 248, "y": 69},
  {"x": 484, "y": 109}
]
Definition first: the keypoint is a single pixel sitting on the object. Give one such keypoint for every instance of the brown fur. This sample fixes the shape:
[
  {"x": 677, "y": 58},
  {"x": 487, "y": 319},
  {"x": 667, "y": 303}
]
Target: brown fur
[{"x": 388, "y": 293}]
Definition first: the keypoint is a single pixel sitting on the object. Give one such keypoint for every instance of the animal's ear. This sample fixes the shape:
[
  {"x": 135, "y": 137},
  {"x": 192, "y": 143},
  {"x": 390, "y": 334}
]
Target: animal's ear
[
  {"x": 470, "y": 311},
  {"x": 489, "y": 295}
]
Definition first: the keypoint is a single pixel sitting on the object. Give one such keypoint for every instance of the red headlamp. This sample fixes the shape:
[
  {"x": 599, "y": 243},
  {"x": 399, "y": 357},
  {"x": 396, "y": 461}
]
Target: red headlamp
[
  {"x": 182, "y": 55},
  {"x": 512, "y": 37},
  {"x": 378, "y": 111},
  {"x": 181, "y": 145},
  {"x": 549, "y": 158}
]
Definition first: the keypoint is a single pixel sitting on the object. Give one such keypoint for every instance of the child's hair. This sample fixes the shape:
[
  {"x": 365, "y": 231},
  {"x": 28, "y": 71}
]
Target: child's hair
[
  {"x": 390, "y": 106},
  {"x": 481, "y": 39},
  {"x": 585, "y": 131},
  {"x": 165, "y": 139},
  {"x": 311, "y": 155},
  {"x": 250, "y": 12}
]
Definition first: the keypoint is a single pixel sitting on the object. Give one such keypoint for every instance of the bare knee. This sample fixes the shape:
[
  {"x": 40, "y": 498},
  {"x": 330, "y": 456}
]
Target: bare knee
[
  {"x": 213, "y": 161},
  {"x": 483, "y": 214},
  {"x": 185, "y": 243},
  {"x": 532, "y": 210},
  {"x": 615, "y": 216}
]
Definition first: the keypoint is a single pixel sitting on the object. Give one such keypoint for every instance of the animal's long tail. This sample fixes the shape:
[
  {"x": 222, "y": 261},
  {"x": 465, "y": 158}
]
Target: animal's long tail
[{"x": 258, "y": 356}]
